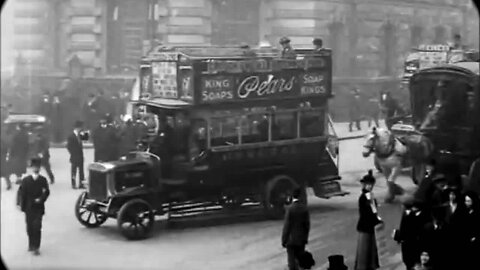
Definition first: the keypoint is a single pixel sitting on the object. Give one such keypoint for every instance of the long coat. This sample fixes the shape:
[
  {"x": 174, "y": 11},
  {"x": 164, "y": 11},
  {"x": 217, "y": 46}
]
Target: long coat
[
  {"x": 472, "y": 233},
  {"x": 411, "y": 227},
  {"x": 75, "y": 148},
  {"x": 29, "y": 191},
  {"x": 19, "y": 150},
  {"x": 296, "y": 226},
  {"x": 367, "y": 253},
  {"x": 433, "y": 239}
]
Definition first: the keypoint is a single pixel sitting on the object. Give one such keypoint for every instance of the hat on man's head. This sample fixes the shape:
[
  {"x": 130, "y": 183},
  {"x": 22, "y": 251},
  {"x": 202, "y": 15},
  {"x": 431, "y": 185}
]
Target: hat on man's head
[
  {"x": 35, "y": 162},
  {"x": 284, "y": 40},
  {"x": 368, "y": 178},
  {"x": 78, "y": 124},
  {"x": 317, "y": 42},
  {"x": 336, "y": 262}
]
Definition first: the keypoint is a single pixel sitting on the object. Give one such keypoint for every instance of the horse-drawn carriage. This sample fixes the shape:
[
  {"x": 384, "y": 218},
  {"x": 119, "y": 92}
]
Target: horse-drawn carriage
[
  {"x": 444, "y": 126},
  {"x": 226, "y": 130},
  {"x": 445, "y": 102}
]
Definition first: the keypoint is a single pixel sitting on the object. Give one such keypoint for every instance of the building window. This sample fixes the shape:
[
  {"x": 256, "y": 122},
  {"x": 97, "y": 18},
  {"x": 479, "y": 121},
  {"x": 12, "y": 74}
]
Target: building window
[
  {"x": 59, "y": 34},
  {"x": 336, "y": 41},
  {"x": 440, "y": 35},
  {"x": 128, "y": 24},
  {"x": 235, "y": 22},
  {"x": 389, "y": 49},
  {"x": 416, "y": 33}
]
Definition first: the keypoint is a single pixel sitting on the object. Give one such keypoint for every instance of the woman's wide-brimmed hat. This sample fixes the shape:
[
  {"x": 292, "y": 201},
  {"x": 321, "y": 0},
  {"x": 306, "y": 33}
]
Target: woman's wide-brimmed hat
[{"x": 368, "y": 178}]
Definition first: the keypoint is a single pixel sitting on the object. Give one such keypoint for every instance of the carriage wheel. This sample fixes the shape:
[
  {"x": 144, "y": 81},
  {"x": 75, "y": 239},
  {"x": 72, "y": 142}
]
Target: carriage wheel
[
  {"x": 86, "y": 216},
  {"x": 278, "y": 194},
  {"x": 418, "y": 173},
  {"x": 135, "y": 219}
]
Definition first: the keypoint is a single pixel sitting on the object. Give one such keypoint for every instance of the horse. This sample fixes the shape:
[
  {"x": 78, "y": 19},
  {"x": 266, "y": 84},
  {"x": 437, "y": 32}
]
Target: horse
[{"x": 393, "y": 154}]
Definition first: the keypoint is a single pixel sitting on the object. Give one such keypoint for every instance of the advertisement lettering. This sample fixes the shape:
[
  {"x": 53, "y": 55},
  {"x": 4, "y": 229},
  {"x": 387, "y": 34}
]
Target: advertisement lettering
[
  {"x": 216, "y": 88},
  {"x": 313, "y": 83},
  {"x": 253, "y": 85}
]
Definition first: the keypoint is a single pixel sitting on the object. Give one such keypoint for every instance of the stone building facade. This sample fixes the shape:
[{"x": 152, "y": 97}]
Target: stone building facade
[{"x": 369, "y": 37}]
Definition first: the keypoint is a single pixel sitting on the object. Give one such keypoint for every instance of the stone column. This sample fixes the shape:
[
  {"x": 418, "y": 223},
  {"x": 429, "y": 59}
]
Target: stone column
[{"x": 352, "y": 25}]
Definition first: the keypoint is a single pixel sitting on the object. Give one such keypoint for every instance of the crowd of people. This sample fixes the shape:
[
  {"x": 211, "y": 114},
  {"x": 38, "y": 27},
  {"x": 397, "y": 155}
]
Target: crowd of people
[
  {"x": 63, "y": 108},
  {"x": 384, "y": 105},
  {"x": 439, "y": 228},
  {"x": 441, "y": 222}
]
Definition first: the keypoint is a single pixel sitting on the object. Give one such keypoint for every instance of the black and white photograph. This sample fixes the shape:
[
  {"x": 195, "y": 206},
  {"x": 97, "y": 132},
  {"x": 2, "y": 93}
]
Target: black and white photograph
[{"x": 240, "y": 134}]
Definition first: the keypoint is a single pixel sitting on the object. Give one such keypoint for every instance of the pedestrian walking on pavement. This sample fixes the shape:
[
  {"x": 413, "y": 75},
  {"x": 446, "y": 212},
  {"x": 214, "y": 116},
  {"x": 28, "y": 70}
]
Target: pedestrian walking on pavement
[
  {"x": 367, "y": 253},
  {"x": 19, "y": 150},
  {"x": 41, "y": 149},
  {"x": 296, "y": 228},
  {"x": 455, "y": 218},
  {"x": 32, "y": 194},
  {"x": 472, "y": 229},
  {"x": 75, "y": 148},
  {"x": 354, "y": 109},
  {"x": 411, "y": 226},
  {"x": 373, "y": 111},
  {"x": 433, "y": 239}
]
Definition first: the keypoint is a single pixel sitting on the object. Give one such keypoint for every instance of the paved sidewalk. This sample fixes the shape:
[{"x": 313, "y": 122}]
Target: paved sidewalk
[{"x": 341, "y": 130}]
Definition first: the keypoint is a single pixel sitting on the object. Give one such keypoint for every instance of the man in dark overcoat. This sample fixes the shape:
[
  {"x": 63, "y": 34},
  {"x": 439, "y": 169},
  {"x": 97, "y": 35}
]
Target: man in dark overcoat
[
  {"x": 41, "y": 149},
  {"x": 75, "y": 148},
  {"x": 128, "y": 140},
  {"x": 411, "y": 226},
  {"x": 112, "y": 142},
  {"x": 354, "y": 109},
  {"x": 19, "y": 150},
  {"x": 99, "y": 138},
  {"x": 296, "y": 228},
  {"x": 434, "y": 239},
  {"x": 32, "y": 194}
]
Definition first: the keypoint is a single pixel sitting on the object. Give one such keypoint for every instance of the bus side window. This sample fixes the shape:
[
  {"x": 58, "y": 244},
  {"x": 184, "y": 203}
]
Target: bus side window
[
  {"x": 254, "y": 128},
  {"x": 224, "y": 131},
  {"x": 284, "y": 126},
  {"x": 312, "y": 123}
]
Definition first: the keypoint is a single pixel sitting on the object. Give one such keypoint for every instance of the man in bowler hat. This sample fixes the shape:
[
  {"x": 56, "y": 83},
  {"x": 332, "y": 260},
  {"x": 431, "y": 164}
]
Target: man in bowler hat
[
  {"x": 32, "y": 194},
  {"x": 75, "y": 148},
  {"x": 296, "y": 229}
]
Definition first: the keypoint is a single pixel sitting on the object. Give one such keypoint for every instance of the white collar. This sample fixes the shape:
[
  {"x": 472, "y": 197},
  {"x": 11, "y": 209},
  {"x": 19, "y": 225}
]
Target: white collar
[{"x": 295, "y": 200}]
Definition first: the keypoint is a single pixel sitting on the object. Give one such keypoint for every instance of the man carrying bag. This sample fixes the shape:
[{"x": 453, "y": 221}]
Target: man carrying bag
[{"x": 295, "y": 232}]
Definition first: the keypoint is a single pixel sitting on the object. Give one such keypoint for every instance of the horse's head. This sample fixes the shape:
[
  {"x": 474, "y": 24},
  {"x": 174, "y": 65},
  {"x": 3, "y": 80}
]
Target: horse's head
[{"x": 379, "y": 141}]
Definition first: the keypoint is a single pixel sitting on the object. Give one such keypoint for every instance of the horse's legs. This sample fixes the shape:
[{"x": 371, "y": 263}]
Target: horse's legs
[{"x": 392, "y": 188}]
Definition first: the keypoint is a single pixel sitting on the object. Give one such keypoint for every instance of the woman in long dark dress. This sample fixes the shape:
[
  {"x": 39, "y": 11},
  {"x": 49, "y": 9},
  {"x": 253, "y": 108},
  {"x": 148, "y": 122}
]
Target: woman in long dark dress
[
  {"x": 367, "y": 253},
  {"x": 472, "y": 229}
]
